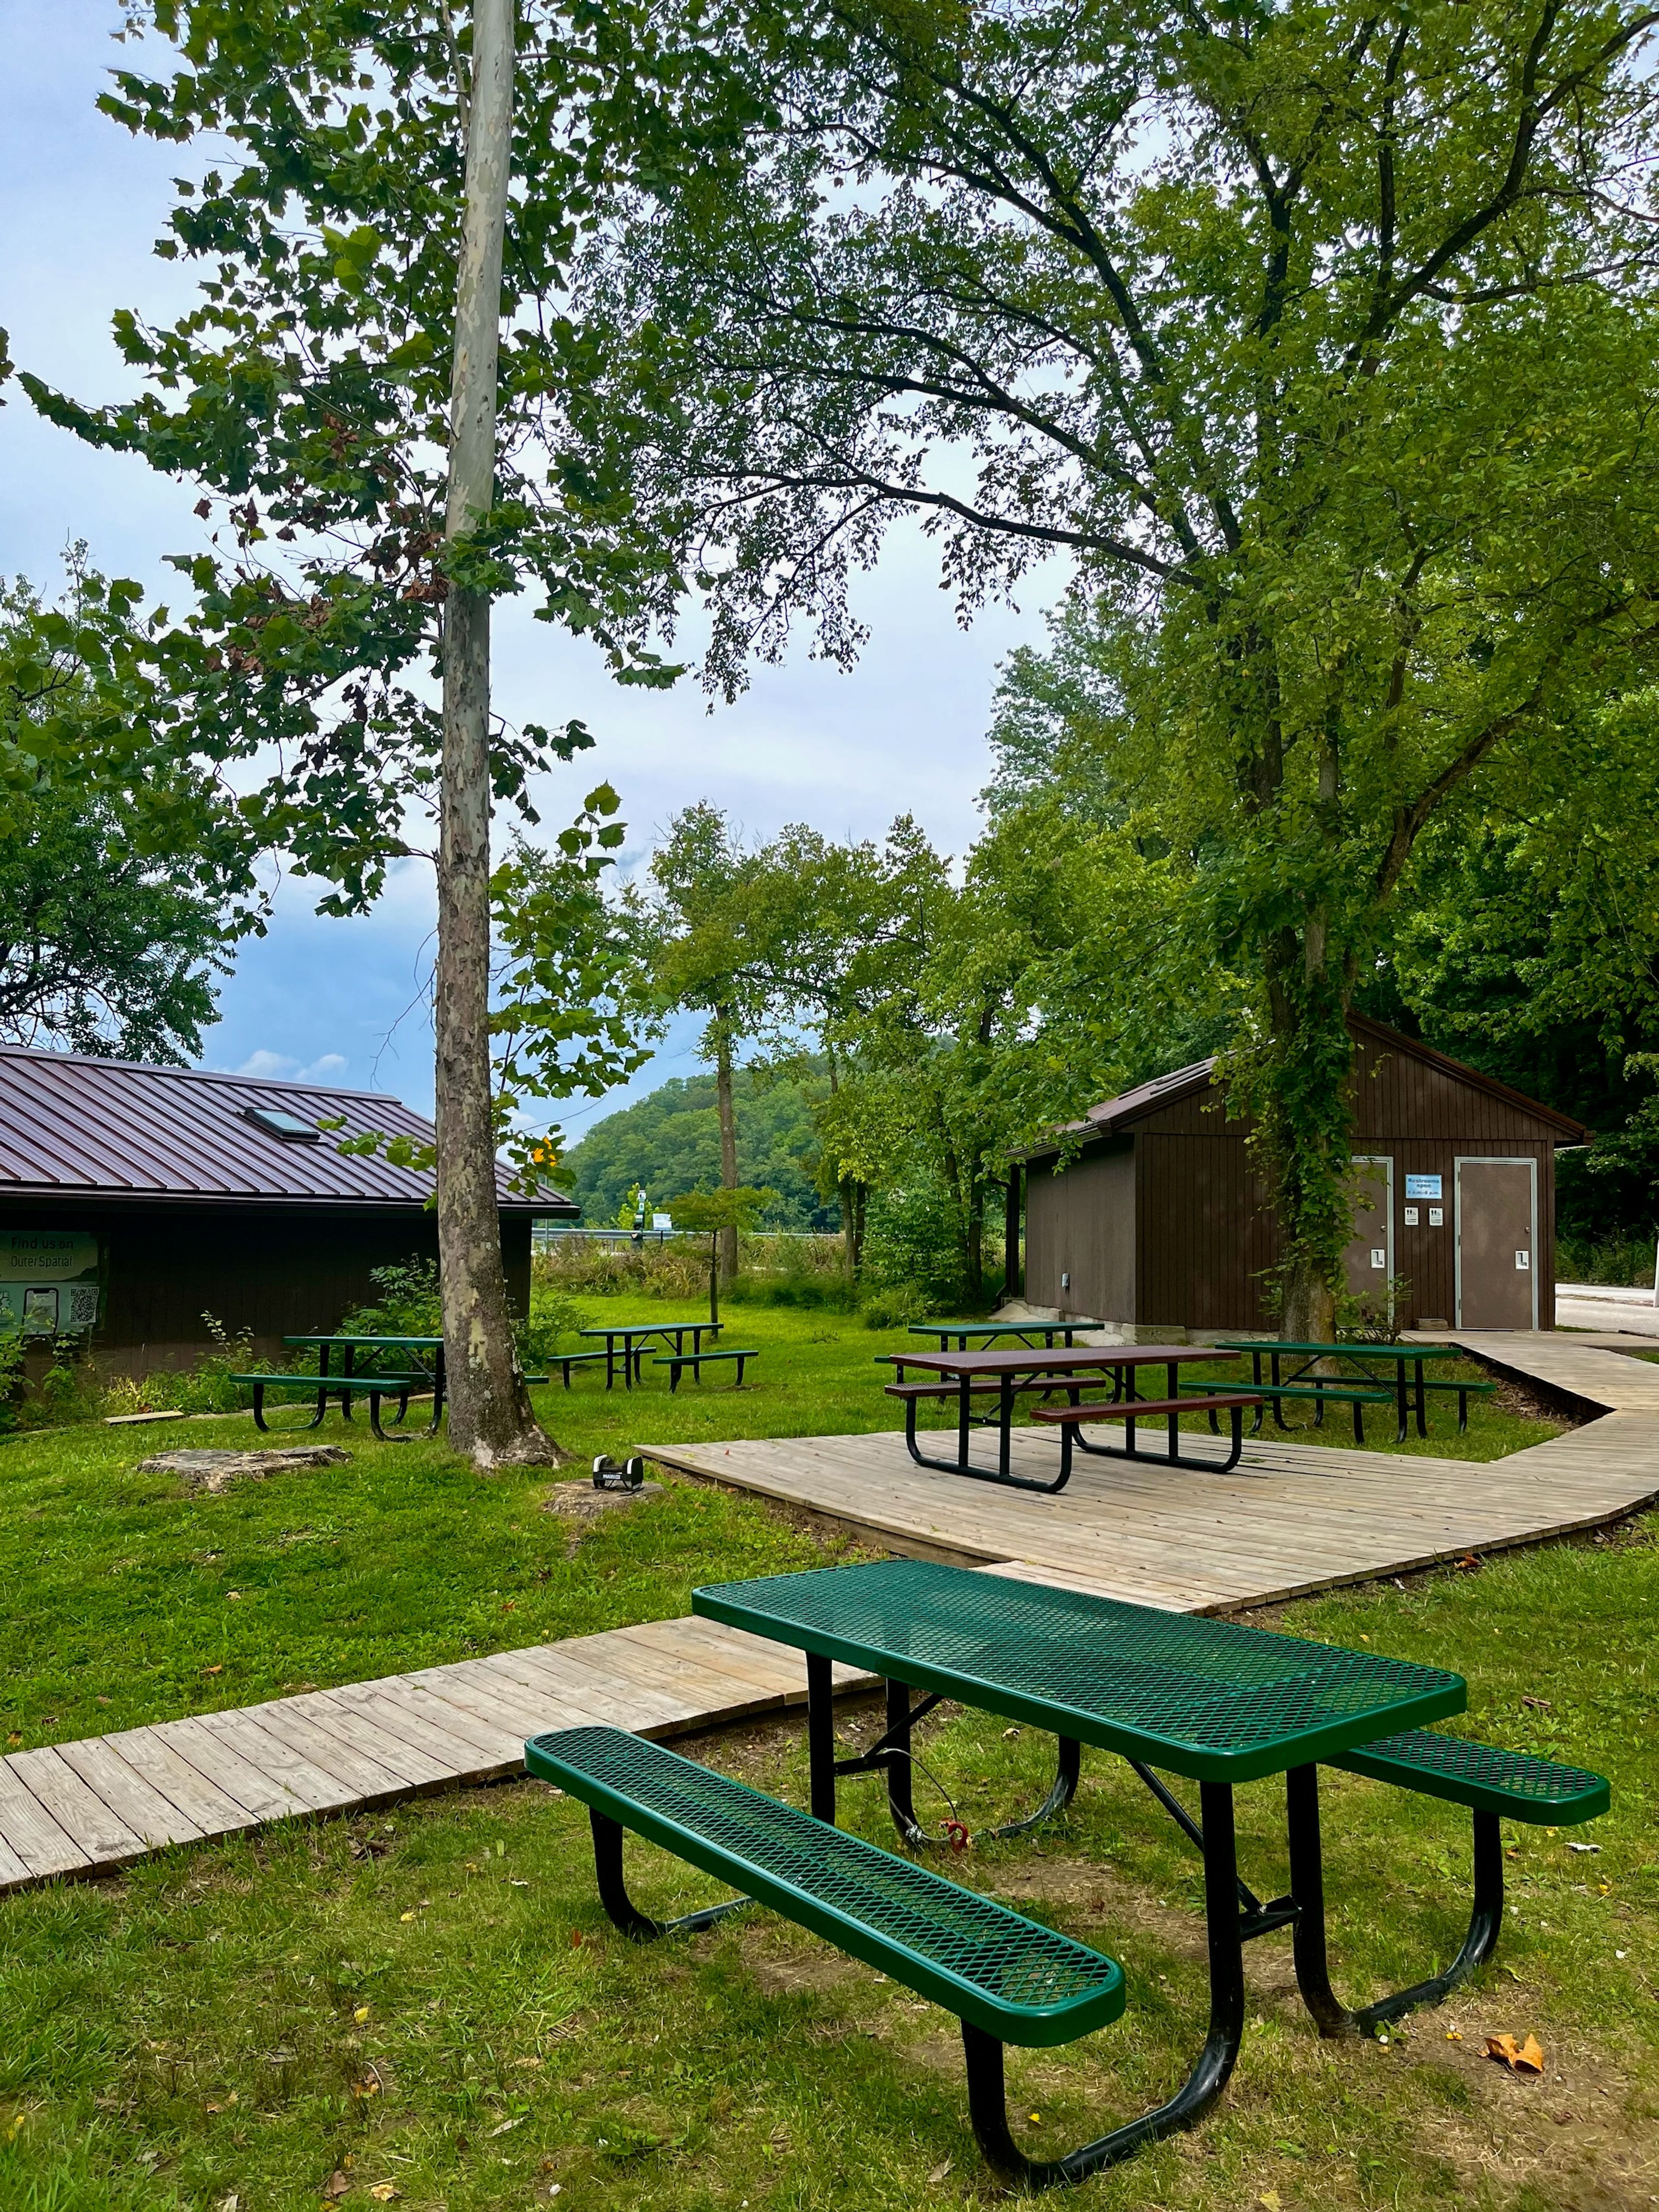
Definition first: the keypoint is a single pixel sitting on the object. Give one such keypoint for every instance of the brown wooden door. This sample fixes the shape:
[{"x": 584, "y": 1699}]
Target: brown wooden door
[
  {"x": 1496, "y": 1243},
  {"x": 1370, "y": 1255}
]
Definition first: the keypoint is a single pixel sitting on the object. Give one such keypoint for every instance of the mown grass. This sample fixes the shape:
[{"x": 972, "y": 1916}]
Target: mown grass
[
  {"x": 429, "y": 2000},
  {"x": 139, "y": 1600}
]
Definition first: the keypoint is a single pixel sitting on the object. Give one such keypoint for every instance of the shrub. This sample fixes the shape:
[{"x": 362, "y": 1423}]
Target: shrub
[
  {"x": 206, "y": 1388},
  {"x": 911, "y": 1241},
  {"x": 1624, "y": 1258},
  {"x": 677, "y": 1268},
  {"x": 11, "y": 1378}
]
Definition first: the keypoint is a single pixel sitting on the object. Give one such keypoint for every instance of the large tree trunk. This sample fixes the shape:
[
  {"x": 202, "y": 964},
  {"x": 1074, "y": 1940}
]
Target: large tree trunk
[
  {"x": 728, "y": 1236},
  {"x": 973, "y": 1242},
  {"x": 1298, "y": 1085},
  {"x": 490, "y": 1414}
]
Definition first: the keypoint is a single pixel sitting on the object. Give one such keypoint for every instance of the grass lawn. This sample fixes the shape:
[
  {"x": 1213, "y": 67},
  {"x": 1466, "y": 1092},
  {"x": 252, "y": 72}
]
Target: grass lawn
[{"x": 427, "y": 2007}]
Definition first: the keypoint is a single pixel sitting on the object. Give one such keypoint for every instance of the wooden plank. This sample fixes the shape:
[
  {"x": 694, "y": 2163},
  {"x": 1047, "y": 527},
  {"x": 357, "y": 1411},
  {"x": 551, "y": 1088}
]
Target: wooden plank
[
  {"x": 499, "y": 1698},
  {"x": 417, "y": 1767},
  {"x": 134, "y": 1802},
  {"x": 12, "y": 1869},
  {"x": 33, "y": 1837},
  {"x": 79, "y": 1812},
  {"x": 459, "y": 1757},
  {"x": 212, "y": 1811},
  {"x": 223, "y": 1766},
  {"x": 492, "y": 1738},
  {"x": 306, "y": 1788},
  {"x": 291, "y": 1723},
  {"x": 552, "y": 1674}
]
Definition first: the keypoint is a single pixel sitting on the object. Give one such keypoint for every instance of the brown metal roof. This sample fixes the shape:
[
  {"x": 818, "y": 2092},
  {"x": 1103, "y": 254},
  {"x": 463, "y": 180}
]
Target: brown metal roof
[
  {"x": 1113, "y": 1114},
  {"x": 114, "y": 1128}
]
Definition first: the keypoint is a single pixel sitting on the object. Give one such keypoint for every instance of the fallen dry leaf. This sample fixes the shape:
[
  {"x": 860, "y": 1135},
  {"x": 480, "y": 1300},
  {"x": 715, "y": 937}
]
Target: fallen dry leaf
[
  {"x": 361, "y": 2015},
  {"x": 383, "y": 2192},
  {"x": 338, "y": 2184},
  {"x": 1269, "y": 2200},
  {"x": 506, "y": 2125},
  {"x": 219, "y": 1670},
  {"x": 1526, "y": 2057},
  {"x": 938, "y": 2173}
]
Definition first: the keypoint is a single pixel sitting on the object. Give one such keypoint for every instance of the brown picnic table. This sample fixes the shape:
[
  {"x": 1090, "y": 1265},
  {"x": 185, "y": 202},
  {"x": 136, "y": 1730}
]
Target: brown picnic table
[{"x": 1008, "y": 1375}]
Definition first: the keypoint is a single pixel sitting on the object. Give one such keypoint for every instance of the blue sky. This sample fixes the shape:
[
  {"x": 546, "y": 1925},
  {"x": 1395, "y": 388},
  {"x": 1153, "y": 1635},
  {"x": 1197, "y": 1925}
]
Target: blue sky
[{"x": 79, "y": 204}]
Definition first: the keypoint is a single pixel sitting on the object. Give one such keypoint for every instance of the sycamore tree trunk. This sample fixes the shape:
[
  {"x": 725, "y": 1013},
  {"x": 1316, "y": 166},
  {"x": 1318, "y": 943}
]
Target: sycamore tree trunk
[
  {"x": 490, "y": 1414},
  {"x": 727, "y": 1237}
]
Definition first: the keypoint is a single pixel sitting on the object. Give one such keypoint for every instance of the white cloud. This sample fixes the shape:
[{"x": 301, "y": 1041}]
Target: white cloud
[{"x": 277, "y": 1067}]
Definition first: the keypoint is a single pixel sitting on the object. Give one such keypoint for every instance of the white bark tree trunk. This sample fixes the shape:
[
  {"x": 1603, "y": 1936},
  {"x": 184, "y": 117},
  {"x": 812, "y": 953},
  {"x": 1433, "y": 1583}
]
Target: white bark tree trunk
[{"x": 489, "y": 1413}]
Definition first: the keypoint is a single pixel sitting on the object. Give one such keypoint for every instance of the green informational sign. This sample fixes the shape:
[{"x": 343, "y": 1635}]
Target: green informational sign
[{"x": 48, "y": 1281}]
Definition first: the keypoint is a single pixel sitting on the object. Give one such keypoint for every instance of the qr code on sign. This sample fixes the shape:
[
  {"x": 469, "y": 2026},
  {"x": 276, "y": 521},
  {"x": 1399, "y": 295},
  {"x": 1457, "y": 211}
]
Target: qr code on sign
[{"x": 83, "y": 1306}]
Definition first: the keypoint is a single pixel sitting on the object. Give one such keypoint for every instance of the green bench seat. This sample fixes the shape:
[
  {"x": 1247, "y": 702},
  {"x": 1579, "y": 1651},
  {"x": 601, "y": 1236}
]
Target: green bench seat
[
  {"x": 345, "y": 1388},
  {"x": 1004, "y": 1977},
  {"x": 1483, "y": 1776},
  {"x": 1465, "y": 1392},
  {"x": 677, "y": 1362},
  {"x": 1494, "y": 1783},
  {"x": 1356, "y": 1394},
  {"x": 565, "y": 1361}
]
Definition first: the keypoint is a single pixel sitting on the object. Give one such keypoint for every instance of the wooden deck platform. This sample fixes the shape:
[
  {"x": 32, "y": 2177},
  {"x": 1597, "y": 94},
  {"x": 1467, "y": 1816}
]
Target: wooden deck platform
[{"x": 1291, "y": 1519}]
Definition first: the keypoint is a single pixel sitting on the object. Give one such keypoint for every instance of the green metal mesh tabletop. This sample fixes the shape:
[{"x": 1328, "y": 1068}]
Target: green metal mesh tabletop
[{"x": 1201, "y": 1698}]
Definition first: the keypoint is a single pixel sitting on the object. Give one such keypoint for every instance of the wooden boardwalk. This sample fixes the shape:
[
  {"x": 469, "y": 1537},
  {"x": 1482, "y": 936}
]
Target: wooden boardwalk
[
  {"x": 81, "y": 1808},
  {"x": 1291, "y": 1519}
]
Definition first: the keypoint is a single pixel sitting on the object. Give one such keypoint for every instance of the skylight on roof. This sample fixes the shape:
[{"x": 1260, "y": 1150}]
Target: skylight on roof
[{"x": 288, "y": 1127}]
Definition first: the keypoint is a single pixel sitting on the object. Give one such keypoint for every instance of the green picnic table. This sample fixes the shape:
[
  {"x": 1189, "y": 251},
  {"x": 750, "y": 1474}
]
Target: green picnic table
[
  {"x": 634, "y": 1336},
  {"x": 1302, "y": 1382},
  {"x": 1218, "y": 1703},
  {"x": 963, "y": 1333},
  {"x": 348, "y": 1371},
  {"x": 1215, "y": 1701}
]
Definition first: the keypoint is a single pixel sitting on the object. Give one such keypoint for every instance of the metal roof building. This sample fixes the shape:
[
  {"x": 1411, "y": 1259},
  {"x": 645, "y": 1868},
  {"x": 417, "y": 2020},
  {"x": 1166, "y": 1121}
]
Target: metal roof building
[
  {"x": 1148, "y": 1213},
  {"x": 135, "y": 1201}
]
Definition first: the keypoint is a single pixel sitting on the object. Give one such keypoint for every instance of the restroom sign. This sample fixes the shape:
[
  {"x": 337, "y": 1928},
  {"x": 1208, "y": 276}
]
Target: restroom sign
[{"x": 1424, "y": 1186}]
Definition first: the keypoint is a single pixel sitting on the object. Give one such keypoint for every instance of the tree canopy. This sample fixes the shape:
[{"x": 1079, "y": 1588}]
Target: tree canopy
[{"x": 1321, "y": 341}]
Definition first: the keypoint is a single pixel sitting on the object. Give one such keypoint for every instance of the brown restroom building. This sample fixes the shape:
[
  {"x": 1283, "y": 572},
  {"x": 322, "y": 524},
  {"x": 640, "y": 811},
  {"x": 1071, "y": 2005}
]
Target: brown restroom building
[
  {"x": 1150, "y": 1217},
  {"x": 135, "y": 1199}
]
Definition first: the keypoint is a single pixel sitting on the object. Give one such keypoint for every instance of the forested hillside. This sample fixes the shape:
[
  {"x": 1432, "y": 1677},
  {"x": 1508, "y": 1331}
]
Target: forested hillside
[{"x": 670, "y": 1142}]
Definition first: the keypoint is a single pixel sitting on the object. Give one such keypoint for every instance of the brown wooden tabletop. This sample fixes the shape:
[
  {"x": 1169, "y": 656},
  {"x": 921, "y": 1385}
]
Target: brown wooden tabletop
[{"x": 1060, "y": 1361}]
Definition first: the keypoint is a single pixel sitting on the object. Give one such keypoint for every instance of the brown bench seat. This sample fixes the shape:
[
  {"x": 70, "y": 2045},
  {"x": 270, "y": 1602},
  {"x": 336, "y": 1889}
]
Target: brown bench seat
[{"x": 1070, "y": 1419}]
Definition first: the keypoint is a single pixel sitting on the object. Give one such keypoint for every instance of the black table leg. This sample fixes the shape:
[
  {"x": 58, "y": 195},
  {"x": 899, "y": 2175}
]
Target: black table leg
[
  {"x": 1005, "y": 1427},
  {"x": 1313, "y": 1977},
  {"x": 987, "y": 2102},
  {"x": 1422, "y": 1409},
  {"x": 821, "y": 1738}
]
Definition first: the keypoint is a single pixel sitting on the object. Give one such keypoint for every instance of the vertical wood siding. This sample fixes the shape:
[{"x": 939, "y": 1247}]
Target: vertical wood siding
[
  {"x": 1204, "y": 1240},
  {"x": 275, "y": 1273}
]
